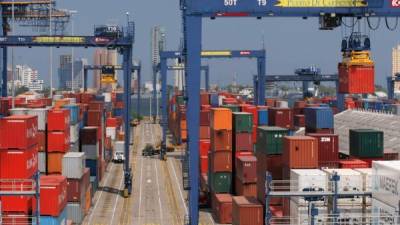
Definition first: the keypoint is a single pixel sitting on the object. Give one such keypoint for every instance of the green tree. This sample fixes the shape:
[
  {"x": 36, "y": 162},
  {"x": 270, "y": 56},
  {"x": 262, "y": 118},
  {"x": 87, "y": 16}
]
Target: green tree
[{"x": 21, "y": 90}]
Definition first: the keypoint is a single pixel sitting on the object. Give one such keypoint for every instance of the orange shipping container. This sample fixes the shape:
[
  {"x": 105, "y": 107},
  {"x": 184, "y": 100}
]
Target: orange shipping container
[
  {"x": 88, "y": 199},
  {"x": 300, "y": 152},
  {"x": 204, "y": 132},
  {"x": 249, "y": 190},
  {"x": 54, "y": 162},
  {"x": 221, "y": 119},
  {"x": 183, "y": 124}
]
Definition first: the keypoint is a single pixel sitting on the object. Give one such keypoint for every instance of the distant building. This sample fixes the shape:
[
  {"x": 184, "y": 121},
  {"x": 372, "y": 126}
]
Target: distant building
[
  {"x": 28, "y": 77},
  {"x": 102, "y": 57},
  {"x": 158, "y": 43},
  {"x": 65, "y": 72},
  {"x": 396, "y": 65},
  {"x": 179, "y": 76}
]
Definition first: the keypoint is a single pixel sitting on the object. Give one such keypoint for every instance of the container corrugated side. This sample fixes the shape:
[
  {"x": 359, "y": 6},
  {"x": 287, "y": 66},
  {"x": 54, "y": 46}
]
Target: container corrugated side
[
  {"x": 300, "y": 214},
  {"x": 73, "y": 165},
  {"x": 308, "y": 179},
  {"x": 75, "y": 212},
  {"x": 51, "y": 220},
  {"x": 42, "y": 117},
  {"x": 386, "y": 179},
  {"x": 42, "y": 162},
  {"x": 384, "y": 213}
]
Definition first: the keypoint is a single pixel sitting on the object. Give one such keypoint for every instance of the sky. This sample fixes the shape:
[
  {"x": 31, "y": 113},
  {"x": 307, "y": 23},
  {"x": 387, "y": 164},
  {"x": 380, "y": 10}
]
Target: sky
[{"x": 290, "y": 43}]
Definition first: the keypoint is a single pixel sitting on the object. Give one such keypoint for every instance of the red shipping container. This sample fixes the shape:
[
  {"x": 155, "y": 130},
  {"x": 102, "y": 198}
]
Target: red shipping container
[
  {"x": 247, "y": 211},
  {"x": 221, "y": 140},
  {"x": 352, "y": 164},
  {"x": 280, "y": 117},
  {"x": 356, "y": 79},
  {"x": 17, "y": 204},
  {"x": 205, "y": 107},
  {"x": 243, "y": 142},
  {"x": 89, "y": 135},
  {"x": 111, "y": 122},
  {"x": 319, "y": 131},
  {"x": 246, "y": 169},
  {"x": 253, "y": 110},
  {"x": 58, "y": 141},
  {"x": 204, "y": 132},
  {"x": 300, "y": 152},
  {"x": 270, "y": 102},
  {"x": 203, "y": 164},
  {"x": 41, "y": 138},
  {"x": 328, "y": 147},
  {"x": 273, "y": 164},
  {"x": 204, "y": 147},
  {"x": 18, "y": 132},
  {"x": 299, "y": 104},
  {"x": 222, "y": 208},
  {"x": 53, "y": 195},
  {"x": 16, "y": 218},
  {"x": 94, "y": 118},
  {"x": 205, "y": 117},
  {"x": 96, "y": 105},
  {"x": 76, "y": 188},
  {"x": 18, "y": 164},
  {"x": 248, "y": 189},
  {"x": 221, "y": 161},
  {"x": 299, "y": 121},
  {"x": 86, "y": 98},
  {"x": 254, "y": 134},
  {"x": 204, "y": 98},
  {"x": 58, "y": 119}
]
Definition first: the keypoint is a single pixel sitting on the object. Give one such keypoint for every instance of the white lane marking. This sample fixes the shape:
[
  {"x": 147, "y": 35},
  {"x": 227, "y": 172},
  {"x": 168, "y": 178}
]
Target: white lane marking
[
  {"x": 116, "y": 200},
  {"x": 140, "y": 183},
  {"x": 179, "y": 187},
  {"x": 101, "y": 193},
  {"x": 158, "y": 192}
]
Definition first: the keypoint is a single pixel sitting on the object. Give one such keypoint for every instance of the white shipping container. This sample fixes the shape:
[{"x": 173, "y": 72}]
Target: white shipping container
[
  {"x": 386, "y": 178},
  {"x": 57, "y": 97},
  {"x": 107, "y": 97},
  {"x": 42, "y": 162},
  {"x": 73, "y": 165},
  {"x": 300, "y": 214},
  {"x": 18, "y": 111},
  {"x": 384, "y": 214},
  {"x": 41, "y": 113},
  {"x": 91, "y": 151},
  {"x": 308, "y": 179},
  {"x": 350, "y": 181},
  {"x": 111, "y": 132},
  {"x": 221, "y": 100},
  {"x": 75, "y": 212},
  {"x": 367, "y": 181},
  {"x": 74, "y": 133},
  {"x": 119, "y": 146},
  {"x": 352, "y": 214},
  {"x": 282, "y": 104}
]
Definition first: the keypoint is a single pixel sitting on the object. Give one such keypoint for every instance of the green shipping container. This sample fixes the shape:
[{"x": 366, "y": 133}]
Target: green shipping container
[
  {"x": 242, "y": 122},
  {"x": 366, "y": 143},
  {"x": 270, "y": 139},
  {"x": 220, "y": 182},
  {"x": 180, "y": 100},
  {"x": 233, "y": 108}
]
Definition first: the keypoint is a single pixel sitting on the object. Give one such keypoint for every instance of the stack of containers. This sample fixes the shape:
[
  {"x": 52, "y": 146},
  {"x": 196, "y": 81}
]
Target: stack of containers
[
  {"x": 280, "y": 117},
  {"x": 18, "y": 160},
  {"x": 78, "y": 184},
  {"x": 214, "y": 99},
  {"x": 182, "y": 123},
  {"x": 262, "y": 115},
  {"x": 247, "y": 211},
  {"x": 220, "y": 156},
  {"x": 328, "y": 149},
  {"x": 41, "y": 135},
  {"x": 53, "y": 199},
  {"x": 74, "y": 119},
  {"x": 205, "y": 122},
  {"x": 244, "y": 163},
  {"x": 112, "y": 125},
  {"x": 319, "y": 120},
  {"x": 298, "y": 113},
  {"x": 118, "y": 104},
  {"x": 253, "y": 110},
  {"x": 96, "y": 118},
  {"x": 299, "y": 152},
  {"x": 58, "y": 131},
  {"x": 269, "y": 148},
  {"x": 205, "y": 135},
  {"x": 89, "y": 144}
]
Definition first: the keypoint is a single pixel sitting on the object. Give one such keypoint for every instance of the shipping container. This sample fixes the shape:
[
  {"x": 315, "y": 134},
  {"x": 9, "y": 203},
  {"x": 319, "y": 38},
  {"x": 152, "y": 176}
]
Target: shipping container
[
  {"x": 41, "y": 117},
  {"x": 352, "y": 163},
  {"x": 111, "y": 132},
  {"x": 356, "y": 79},
  {"x": 214, "y": 99},
  {"x": 220, "y": 182},
  {"x": 328, "y": 147},
  {"x": 300, "y": 152},
  {"x": 319, "y": 117},
  {"x": 299, "y": 214},
  {"x": 270, "y": 139},
  {"x": 88, "y": 135},
  {"x": 246, "y": 169},
  {"x": 262, "y": 117},
  {"x": 93, "y": 165},
  {"x": 299, "y": 121},
  {"x": 41, "y": 139},
  {"x": 53, "y": 195},
  {"x": 55, "y": 220},
  {"x": 95, "y": 118},
  {"x": 205, "y": 117},
  {"x": 273, "y": 164},
  {"x": 91, "y": 151},
  {"x": 253, "y": 110},
  {"x": 386, "y": 176},
  {"x": 204, "y": 164},
  {"x": 220, "y": 161},
  {"x": 204, "y": 98},
  {"x": 221, "y": 119},
  {"x": 221, "y": 140},
  {"x": 233, "y": 108},
  {"x": 247, "y": 211},
  {"x": 366, "y": 143},
  {"x": 19, "y": 164},
  {"x": 73, "y": 112},
  {"x": 15, "y": 218},
  {"x": 73, "y": 165},
  {"x": 280, "y": 117},
  {"x": 384, "y": 213},
  {"x": 222, "y": 208},
  {"x": 245, "y": 189},
  {"x": 75, "y": 212},
  {"x": 58, "y": 119},
  {"x": 243, "y": 142},
  {"x": 76, "y": 188},
  {"x": 54, "y": 162},
  {"x": 242, "y": 122},
  {"x": 58, "y": 141},
  {"x": 23, "y": 135},
  {"x": 204, "y": 132},
  {"x": 17, "y": 204},
  {"x": 204, "y": 146},
  {"x": 308, "y": 180},
  {"x": 42, "y": 162}
]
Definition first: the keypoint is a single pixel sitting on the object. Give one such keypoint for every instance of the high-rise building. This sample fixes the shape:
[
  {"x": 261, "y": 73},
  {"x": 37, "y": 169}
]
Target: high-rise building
[
  {"x": 102, "y": 57},
  {"x": 158, "y": 43},
  {"x": 65, "y": 72},
  {"x": 396, "y": 65},
  {"x": 28, "y": 77},
  {"x": 179, "y": 76}
]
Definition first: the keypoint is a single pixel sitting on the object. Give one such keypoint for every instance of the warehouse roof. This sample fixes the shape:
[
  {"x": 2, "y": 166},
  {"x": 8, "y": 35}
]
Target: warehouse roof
[{"x": 355, "y": 119}]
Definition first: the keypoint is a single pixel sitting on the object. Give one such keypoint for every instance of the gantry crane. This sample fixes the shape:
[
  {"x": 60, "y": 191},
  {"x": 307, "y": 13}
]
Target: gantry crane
[{"x": 329, "y": 13}]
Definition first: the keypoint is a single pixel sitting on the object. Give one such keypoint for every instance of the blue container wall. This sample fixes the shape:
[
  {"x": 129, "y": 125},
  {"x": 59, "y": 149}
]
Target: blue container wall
[
  {"x": 50, "y": 220},
  {"x": 74, "y": 113},
  {"x": 214, "y": 99},
  {"x": 95, "y": 184},
  {"x": 93, "y": 166},
  {"x": 319, "y": 117},
  {"x": 263, "y": 117},
  {"x": 118, "y": 112},
  {"x": 101, "y": 98},
  {"x": 379, "y": 106},
  {"x": 120, "y": 97}
]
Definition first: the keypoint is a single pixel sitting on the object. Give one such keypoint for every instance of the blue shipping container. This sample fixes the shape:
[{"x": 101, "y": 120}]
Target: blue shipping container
[
  {"x": 378, "y": 105},
  {"x": 93, "y": 166},
  {"x": 74, "y": 113},
  {"x": 120, "y": 97},
  {"x": 263, "y": 117},
  {"x": 118, "y": 112},
  {"x": 214, "y": 99},
  {"x": 100, "y": 98},
  {"x": 51, "y": 220},
  {"x": 319, "y": 117},
  {"x": 95, "y": 184}
]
